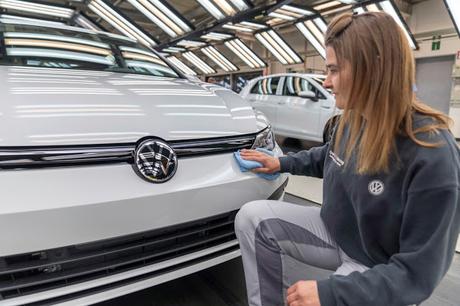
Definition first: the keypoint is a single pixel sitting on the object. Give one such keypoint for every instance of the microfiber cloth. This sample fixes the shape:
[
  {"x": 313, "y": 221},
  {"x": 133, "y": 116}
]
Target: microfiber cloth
[{"x": 247, "y": 165}]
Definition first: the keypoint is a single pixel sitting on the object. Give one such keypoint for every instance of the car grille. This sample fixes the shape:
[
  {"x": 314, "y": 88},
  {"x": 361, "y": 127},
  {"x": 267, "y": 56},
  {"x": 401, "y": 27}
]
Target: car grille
[
  {"x": 16, "y": 158},
  {"x": 49, "y": 269}
]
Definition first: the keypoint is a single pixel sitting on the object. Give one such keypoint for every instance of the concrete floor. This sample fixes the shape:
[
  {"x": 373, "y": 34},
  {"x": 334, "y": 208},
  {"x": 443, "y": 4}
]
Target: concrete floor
[{"x": 223, "y": 285}]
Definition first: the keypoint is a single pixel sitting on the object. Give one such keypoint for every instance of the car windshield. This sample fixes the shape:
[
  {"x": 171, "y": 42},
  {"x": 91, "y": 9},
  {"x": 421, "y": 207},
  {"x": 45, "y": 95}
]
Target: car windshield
[{"x": 40, "y": 46}]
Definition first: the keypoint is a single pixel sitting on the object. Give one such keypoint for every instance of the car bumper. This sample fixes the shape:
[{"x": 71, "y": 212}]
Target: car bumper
[{"x": 60, "y": 209}]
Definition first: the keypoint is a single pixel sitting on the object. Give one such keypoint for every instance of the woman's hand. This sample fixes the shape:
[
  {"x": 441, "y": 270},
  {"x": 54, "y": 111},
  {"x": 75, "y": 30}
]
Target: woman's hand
[
  {"x": 269, "y": 163},
  {"x": 303, "y": 293}
]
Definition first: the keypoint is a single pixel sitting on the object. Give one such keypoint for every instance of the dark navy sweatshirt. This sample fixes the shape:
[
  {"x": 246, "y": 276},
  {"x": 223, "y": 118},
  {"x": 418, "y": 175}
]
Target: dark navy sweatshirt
[{"x": 402, "y": 224}]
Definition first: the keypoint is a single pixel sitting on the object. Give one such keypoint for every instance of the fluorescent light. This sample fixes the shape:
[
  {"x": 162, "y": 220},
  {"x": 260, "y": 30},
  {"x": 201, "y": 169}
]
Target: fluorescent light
[
  {"x": 320, "y": 24},
  {"x": 297, "y": 10},
  {"x": 6, "y": 18},
  {"x": 390, "y": 9},
  {"x": 226, "y": 7},
  {"x": 162, "y": 16},
  {"x": 281, "y": 16},
  {"x": 219, "y": 59},
  {"x": 171, "y": 15},
  {"x": 106, "y": 12},
  {"x": 173, "y": 50},
  {"x": 359, "y": 10},
  {"x": 180, "y": 65},
  {"x": 240, "y": 4},
  {"x": 275, "y": 44},
  {"x": 212, "y": 9},
  {"x": 372, "y": 8},
  {"x": 344, "y": 8},
  {"x": 86, "y": 23},
  {"x": 41, "y": 9},
  {"x": 284, "y": 46},
  {"x": 316, "y": 41},
  {"x": 326, "y": 5},
  {"x": 223, "y": 8},
  {"x": 237, "y": 28},
  {"x": 244, "y": 53},
  {"x": 289, "y": 12},
  {"x": 271, "y": 49},
  {"x": 216, "y": 36},
  {"x": 190, "y": 43},
  {"x": 315, "y": 31},
  {"x": 197, "y": 62},
  {"x": 348, "y": 1},
  {"x": 454, "y": 9},
  {"x": 253, "y": 25}
]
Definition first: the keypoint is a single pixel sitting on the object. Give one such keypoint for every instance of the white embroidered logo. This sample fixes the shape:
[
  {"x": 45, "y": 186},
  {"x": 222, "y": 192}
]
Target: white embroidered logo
[
  {"x": 336, "y": 159},
  {"x": 376, "y": 187}
]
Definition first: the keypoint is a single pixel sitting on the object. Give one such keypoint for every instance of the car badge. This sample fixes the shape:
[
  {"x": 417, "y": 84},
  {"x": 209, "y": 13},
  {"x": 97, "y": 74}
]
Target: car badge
[{"x": 155, "y": 161}]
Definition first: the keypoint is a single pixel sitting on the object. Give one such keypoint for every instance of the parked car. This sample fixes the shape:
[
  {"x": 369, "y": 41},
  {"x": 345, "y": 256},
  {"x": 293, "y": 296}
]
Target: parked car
[
  {"x": 116, "y": 171},
  {"x": 297, "y": 105}
]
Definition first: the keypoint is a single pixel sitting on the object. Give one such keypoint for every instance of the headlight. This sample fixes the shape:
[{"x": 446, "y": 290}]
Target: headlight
[{"x": 265, "y": 139}]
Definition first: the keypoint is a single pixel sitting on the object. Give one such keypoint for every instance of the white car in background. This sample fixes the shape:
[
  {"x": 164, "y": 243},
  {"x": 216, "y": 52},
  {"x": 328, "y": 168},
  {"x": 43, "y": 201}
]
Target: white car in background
[
  {"x": 297, "y": 105},
  {"x": 116, "y": 172}
]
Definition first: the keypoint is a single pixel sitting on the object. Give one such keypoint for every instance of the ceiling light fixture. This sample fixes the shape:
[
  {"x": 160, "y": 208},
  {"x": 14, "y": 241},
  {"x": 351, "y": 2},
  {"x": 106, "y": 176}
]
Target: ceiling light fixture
[
  {"x": 36, "y": 8},
  {"x": 219, "y": 59},
  {"x": 163, "y": 16},
  {"x": 197, "y": 62},
  {"x": 278, "y": 47},
  {"x": 245, "y": 53},
  {"x": 119, "y": 22},
  {"x": 181, "y": 66}
]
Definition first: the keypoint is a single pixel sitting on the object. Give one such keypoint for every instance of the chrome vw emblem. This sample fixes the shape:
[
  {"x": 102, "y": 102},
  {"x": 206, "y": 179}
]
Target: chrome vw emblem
[
  {"x": 376, "y": 187},
  {"x": 155, "y": 161}
]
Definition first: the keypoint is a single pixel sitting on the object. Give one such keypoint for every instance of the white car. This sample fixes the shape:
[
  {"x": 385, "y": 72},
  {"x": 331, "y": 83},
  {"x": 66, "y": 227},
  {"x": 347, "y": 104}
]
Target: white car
[
  {"x": 116, "y": 171},
  {"x": 297, "y": 105}
]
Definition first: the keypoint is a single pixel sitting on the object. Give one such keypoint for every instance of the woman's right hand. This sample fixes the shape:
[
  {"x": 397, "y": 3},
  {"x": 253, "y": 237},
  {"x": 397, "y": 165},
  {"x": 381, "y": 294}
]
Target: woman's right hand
[{"x": 269, "y": 163}]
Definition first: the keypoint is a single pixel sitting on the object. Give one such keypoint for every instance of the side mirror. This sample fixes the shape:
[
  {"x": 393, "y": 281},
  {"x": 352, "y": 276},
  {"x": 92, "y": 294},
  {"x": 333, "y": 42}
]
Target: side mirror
[{"x": 307, "y": 94}]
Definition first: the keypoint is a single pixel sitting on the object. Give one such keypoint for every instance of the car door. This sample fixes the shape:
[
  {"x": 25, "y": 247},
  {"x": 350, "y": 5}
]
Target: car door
[
  {"x": 263, "y": 97},
  {"x": 299, "y": 117}
]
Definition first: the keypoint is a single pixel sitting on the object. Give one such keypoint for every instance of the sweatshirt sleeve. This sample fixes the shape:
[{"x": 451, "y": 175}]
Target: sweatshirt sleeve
[
  {"x": 428, "y": 235},
  {"x": 308, "y": 162}
]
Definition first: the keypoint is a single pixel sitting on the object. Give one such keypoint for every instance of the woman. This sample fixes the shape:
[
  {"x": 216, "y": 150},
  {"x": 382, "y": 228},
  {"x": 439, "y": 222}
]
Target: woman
[{"x": 390, "y": 215}]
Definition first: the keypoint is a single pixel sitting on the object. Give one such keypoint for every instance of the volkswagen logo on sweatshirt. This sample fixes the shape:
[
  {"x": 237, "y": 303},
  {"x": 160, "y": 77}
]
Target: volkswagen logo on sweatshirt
[
  {"x": 376, "y": 187},
  {"x": 155, "y": 161}
]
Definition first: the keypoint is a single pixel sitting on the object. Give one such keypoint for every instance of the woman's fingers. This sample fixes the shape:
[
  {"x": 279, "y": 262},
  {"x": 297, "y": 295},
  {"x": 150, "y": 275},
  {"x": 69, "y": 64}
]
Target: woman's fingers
[
  {"x": 257, "y": 157},
  {"x": 261, "y": 170},
  {"x": 269, "y": 163}
]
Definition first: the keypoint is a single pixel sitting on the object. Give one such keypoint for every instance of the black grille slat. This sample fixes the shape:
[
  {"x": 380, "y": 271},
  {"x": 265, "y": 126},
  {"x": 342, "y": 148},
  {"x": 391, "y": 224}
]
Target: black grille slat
[
  {"x": 19, "y": 268},
  {"x": 116, "y": 264},
  {"x": 30, "y": 273}
]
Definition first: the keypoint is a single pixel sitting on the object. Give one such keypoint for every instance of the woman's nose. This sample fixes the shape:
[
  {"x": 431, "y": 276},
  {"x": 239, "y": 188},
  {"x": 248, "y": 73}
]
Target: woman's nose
[{"x": 327, "y": 83}]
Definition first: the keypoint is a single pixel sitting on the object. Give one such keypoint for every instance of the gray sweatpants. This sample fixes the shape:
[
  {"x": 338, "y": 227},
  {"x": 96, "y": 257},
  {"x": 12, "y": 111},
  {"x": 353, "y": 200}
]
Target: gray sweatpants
[{"x": 271, "y": 233}]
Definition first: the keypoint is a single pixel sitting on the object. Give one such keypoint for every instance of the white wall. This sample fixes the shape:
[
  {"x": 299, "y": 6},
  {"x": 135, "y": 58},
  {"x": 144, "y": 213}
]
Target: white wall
[{"x": 429, "y": 16}]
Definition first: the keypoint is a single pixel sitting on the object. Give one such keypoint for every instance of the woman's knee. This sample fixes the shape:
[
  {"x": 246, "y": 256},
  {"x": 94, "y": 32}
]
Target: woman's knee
[{"x": 250, "y": 215}]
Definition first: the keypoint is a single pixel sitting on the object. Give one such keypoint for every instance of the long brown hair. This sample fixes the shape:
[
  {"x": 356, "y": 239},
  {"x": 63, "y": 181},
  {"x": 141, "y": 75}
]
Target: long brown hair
[{"x": 381, "y": 97}]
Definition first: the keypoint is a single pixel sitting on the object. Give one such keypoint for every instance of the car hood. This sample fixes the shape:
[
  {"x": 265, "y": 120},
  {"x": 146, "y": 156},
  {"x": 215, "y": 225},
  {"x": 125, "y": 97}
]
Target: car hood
[{"x": 47, "y": 106}]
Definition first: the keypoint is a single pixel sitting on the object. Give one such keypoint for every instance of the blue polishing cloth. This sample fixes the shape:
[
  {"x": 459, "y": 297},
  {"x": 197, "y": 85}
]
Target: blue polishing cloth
[{"x": 247, "y": 165}]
